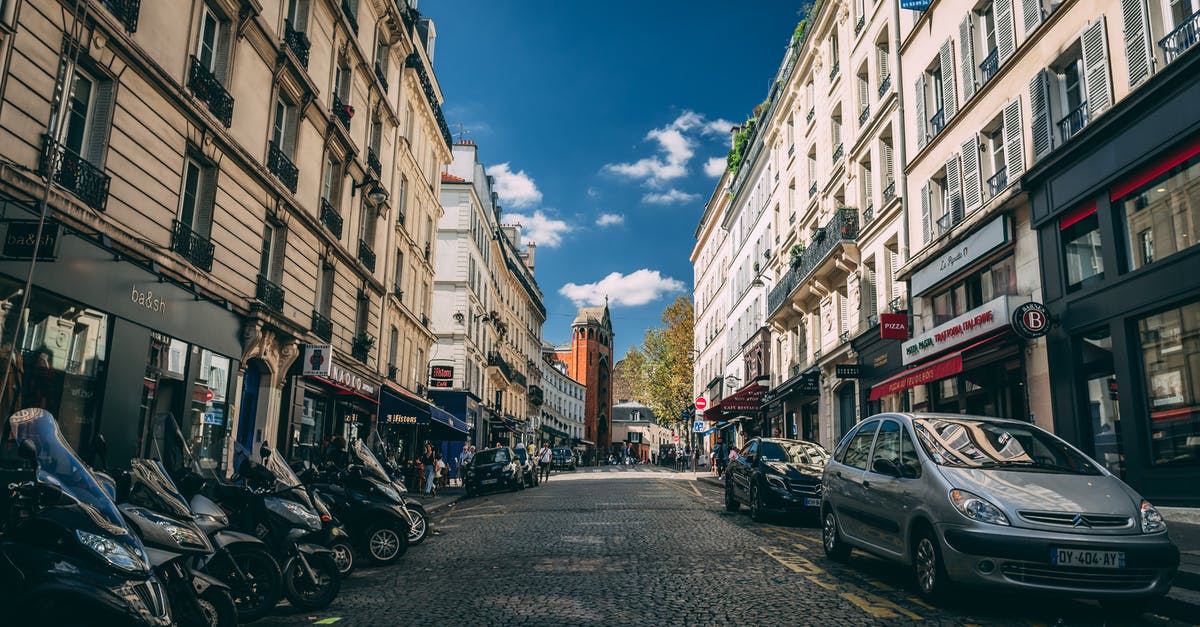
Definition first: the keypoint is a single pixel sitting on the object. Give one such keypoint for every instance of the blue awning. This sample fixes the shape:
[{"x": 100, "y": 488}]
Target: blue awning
[
  {"x": 398, "y": 408},
  {"x": 437, "y": 414}
]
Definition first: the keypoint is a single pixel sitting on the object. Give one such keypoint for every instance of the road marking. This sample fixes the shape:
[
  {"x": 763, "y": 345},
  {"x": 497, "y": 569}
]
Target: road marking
[
  {"x": 820, "y": 582},
  {"x": 864, "y": 605},
  {"x": 924, "y": 605},
  {"x": 696, "y": 490},
  {"x": 872, "y": 604},
  {"x": 880, "y": 585}
]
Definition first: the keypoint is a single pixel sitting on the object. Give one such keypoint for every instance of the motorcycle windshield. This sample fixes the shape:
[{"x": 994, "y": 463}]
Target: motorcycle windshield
[
  {"x": 369, "y": 461},
  {"x": 58, "y": 465},
  {"x": 151, "y": 488},
  {"x": 284, "y": 477}
]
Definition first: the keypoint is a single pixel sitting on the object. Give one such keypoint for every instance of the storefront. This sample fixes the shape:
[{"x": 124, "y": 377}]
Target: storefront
[
  {"x": 328, "y": 399},
  {"x": 112, "y": 348},
  {"x": 408, "y": 421},
  {"x": 795, "y": 402},
  {"x": 1118, "y": 217},
  {"x": 879, "y": 358},
  {"x": 741, "y": 413},
  {"x": 464, "y": 406}
]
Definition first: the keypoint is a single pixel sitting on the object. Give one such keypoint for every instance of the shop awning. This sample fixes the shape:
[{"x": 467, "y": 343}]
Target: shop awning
[
  {"x": 447, "y": 419},
  {"x": 747, "y": 399},
  {"x": 945, "y": 367},
  {"x": 342, "y": 390},
  {"x": 397, "y": 407}
]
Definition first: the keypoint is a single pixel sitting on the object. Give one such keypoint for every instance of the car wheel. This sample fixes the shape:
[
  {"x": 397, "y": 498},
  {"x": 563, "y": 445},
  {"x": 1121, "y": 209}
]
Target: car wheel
[
  {"x": 927, "y": 566},
  {"x": 831, "y": 539},
  {"x": 757, "y": 510},
  {"x": 731, "y": 503}
]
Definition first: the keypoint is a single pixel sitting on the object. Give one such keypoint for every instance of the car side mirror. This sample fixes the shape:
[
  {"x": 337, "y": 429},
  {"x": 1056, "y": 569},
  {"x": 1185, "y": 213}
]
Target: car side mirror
[{"x": 885, "y": 467}]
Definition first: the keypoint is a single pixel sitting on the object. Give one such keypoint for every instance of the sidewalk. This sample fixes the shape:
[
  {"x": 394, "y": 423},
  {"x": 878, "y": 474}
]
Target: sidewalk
[{"x": 445, "y": 498}]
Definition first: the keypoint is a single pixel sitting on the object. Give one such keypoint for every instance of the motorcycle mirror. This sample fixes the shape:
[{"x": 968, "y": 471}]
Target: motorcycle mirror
[
  {"x": 265, "y": 450},
  {"x": 28, "y": 451}
]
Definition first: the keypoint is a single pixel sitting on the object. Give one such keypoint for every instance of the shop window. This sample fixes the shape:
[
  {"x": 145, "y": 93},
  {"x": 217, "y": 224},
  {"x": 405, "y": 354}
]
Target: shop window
[
  {"x": 1082, "y": 257},
  {"x": 1103, "y": 413},
  {"x": 993, "y": 281},
  {"x": 208, "y": 412},
  {"x": 306, "y": 443},
  {"x": 1161, "y": 217},
  {"x": 1170, "y": 346}
]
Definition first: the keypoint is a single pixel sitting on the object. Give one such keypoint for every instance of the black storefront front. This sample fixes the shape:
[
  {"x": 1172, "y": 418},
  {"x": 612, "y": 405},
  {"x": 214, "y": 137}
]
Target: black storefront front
[
  {"x": 408, "y": 421},
  {"x": 794, "y": 404},
  {"x": 878, "y": 359},
  {"x": 326, "y": 399},
  {"x": 1118, "y": 217}
]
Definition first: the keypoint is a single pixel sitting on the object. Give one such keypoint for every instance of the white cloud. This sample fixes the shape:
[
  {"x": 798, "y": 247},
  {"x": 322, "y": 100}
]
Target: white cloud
[
  {"x": 719, "y": 127},
  {"x": 715, "y": 166},
  {"x": 633, "y": 289},
  {"x": 610, "y": 219},
  {"x": 676, "y": 147},
  {"x": 516, "y": 189},
  {"x": 540, "y": 228},
  {"x": 669, "y": 197}
]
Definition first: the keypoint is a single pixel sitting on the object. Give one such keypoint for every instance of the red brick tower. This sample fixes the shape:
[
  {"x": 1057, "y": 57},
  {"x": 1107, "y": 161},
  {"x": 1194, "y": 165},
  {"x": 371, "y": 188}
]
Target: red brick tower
[{"x": 590, "y": 363}]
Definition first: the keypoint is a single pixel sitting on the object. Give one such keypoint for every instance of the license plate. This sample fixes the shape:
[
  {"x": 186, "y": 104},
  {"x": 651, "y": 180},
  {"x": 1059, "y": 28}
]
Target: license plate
[
  {"x": 811, "y": 502},
  {"x": 1090, "y": 559},
  {"x": 489, "y": 481}
]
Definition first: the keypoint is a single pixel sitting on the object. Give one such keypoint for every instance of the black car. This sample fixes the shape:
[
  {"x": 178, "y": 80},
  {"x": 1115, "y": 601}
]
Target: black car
[
  {"x": 528, "y": 467},
  {"x": 776, "y": 475},
  {"x": 494, "y": 469},
  {"x": 562, "y": 458}
]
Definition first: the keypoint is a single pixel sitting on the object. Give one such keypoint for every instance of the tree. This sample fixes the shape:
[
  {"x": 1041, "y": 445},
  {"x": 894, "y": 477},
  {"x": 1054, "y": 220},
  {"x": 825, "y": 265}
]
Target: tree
[{"x": 660, "y": 369}]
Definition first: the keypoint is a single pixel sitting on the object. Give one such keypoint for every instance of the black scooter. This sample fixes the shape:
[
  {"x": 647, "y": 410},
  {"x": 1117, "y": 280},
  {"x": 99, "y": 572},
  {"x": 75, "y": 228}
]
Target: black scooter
[{"x": 67, "y": 556}]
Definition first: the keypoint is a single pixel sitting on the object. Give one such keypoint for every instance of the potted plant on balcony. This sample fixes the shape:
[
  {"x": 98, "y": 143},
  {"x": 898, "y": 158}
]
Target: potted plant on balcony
[
  {"x": 362, "y": 344},
  {"x": 796, "y": 252},
  {"x": 347, "y": 111}
]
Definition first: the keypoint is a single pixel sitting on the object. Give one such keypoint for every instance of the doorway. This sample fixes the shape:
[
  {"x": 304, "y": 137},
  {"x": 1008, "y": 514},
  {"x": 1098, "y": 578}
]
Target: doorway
[
  {"x": 248, "y": 416},
  {"x": 847, "y": 410}
]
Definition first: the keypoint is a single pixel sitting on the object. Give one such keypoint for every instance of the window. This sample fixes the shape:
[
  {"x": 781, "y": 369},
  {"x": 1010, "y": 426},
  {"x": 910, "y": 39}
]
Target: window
[
  {"x": 1082, "y": 257},
  {"x": 326, "y": 274},
  {"x": 398, "y": 279},
  {"x": 270, "y": 263},
  {"x": 402, "y": 199},
  {"x": 393, "y": 349},
  {"x": 362, "y": 313},
  {"x": 331, "y": 188},
  {"x": 1160, "y": 217},
  {"x": 212, "y": 46},
  {"x": 366, "y": 228},
  {"x": 858, "y": 449},
  {"x": 78, "y": 118},
  {"x": 995, "y": 280},
  {"x": 197, "y": 197},
  {"x": 283, "y": 130},
  {"x": 887, "y": 445}
]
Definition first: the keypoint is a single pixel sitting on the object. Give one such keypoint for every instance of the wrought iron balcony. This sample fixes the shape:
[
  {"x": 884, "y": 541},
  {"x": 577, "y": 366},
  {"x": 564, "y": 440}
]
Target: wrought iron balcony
[
  {"x": 366, "y": 255},
  {"x": 812, "y": 190},
  {"x": 269, "y": 294},
  {"x": 884, "y": 85},
  {"x": 843, "y": 227},
  {"x": 392, "y": 372},
  {"x": 71, "y": 171},
  {"x": 872, "y": 320},
  {"x": 360, "y": 347},
  {"x": 381, "y": 75},
  {"x": 342, "y": 111},
  {"x": 898, "y": 304},
  {"x": 858, "y": 26},
  {"x": 1182, "y": 38},
  {"x": 864, "y": 115},
  {"x": 373, "y": 162},
  {"x": 297, "y": 41},
  {"x": 413, "y": 60},
  {"x": 944, "y": 224},
  {"x": 350, "y": 16},
  {"x": 192, "y": 246},
  {"x": 838, "y": 151},
  {"x": 282, "y": 167},
  {"x": 811, "y": 113},
  {"x": 1073, "y": 122},
  {"x": 211, "y": 92},
  {"x": 126, "y": 12},
  {"x": 990, "y": 65},
  {"x": 331, "y": 218},
  {"x": 889, "y": 192},
  {"x": 791, "y": 150},
  {"x": 868, "y": 213},
  {"x": 398, "y": 292},
  {"x": 322, "y": 327},
  {"x": 425, "y": 320},
  {"x": 792, "y": 218},
  {"x": 833, "y": 71},
  {"x": 937, "y": 123},
  {"x": 519, "y": 378},
  {"x": 495, "y": 360},
  {"x": 428, "y": 251},
  {"x": 997, "y": 182}
]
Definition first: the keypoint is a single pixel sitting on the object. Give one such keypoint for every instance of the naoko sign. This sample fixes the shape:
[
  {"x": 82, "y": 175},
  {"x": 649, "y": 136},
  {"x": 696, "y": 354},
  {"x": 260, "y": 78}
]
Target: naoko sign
[{"x": 971, "y": 325}]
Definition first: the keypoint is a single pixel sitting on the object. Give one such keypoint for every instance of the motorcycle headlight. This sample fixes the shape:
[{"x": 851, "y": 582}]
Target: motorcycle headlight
[
  {"x": 776, "y": 482},
  {"x": 1152, "y": 520},
  {"x": 113, "y": 552},
  {"x": 216, "y": 519},
  {"x": 182, "y": 535},
  {"x": 977, "y": 508},
  {"x": 294, "y": 513}
]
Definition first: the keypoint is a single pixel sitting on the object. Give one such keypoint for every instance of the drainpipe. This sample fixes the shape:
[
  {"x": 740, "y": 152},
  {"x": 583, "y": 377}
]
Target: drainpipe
[{"x": 902, "y": 178}]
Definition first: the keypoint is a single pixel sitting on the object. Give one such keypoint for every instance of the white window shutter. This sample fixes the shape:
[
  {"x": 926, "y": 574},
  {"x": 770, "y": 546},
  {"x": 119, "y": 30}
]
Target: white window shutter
[
  {"x": 954, "y": 199},
  {"x": 1137, "y": 42},
  {"x": 1031, "y": 14},
  {"x": 893, "y": 266},
  {"x": 949, "y": 94},
  {"x": 919, "y": 97},
  {"x": 888, "y": 164},
  {"x": 926, "y": 218},
  {"x": 1039, "y": 111},
  {"x": 1014, "y": 141},
  {"x": 972, "y": 177},
  {"x": 1006, "y": 36},
  {"x": 1095, "y": 68},
  {"x": 966, "y": 50},
  {"x": 864, "y": 94},
  {"x": 844, "y": 320},
  {"x": 883, "y": 64}
]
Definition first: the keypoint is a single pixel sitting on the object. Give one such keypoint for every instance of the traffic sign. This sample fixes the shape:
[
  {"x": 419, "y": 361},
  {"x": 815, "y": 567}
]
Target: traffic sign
[
  {"x": 699, "y": 426},
  {"x": 701, "y": 403},
  {"x": 675, "y": 437}
]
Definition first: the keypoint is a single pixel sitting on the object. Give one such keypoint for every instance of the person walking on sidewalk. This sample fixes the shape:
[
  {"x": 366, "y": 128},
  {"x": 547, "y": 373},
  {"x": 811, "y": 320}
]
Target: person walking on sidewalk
[
  {"x": 543, "y": 457},
  {"x": 429, "y": 465}
]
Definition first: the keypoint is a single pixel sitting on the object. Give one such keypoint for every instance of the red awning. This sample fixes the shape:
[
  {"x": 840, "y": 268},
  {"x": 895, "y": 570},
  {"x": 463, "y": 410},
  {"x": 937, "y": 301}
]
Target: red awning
[
  {"x": 945, "y": 367},
  {"x": 749, "y": 398},
  {"x": 345, "y": 391}
]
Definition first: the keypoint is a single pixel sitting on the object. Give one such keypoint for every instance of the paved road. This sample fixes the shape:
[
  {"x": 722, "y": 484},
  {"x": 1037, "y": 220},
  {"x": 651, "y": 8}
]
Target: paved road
[{"x": 632, "y": 546}]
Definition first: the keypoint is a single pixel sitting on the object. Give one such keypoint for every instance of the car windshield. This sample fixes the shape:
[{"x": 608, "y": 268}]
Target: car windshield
[
  {"x": 974, "y": 443},
  {"x": 494, "y": 456},
  {"x": 792, "y": 453},
  {"x": 369, "y": 461}
]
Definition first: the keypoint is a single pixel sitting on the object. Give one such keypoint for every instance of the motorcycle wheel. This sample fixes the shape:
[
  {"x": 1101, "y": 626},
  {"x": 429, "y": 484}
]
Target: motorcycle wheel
[
  {"x": 343, "y": 555},
  {"x": 302, "y": 593},
  {"x": 386, "y": 543},
  {"x": 260, "y": 592},
  {"x": 217, "y": 608},
  {"x": 420, "y": 526}
]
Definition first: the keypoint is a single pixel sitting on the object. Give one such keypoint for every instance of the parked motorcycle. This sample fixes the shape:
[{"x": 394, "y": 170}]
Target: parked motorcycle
[{"x": 420, "y": 521}]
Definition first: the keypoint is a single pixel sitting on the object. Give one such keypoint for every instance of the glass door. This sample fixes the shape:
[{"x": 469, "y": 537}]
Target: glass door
[{"x": 1101, "y": 411}]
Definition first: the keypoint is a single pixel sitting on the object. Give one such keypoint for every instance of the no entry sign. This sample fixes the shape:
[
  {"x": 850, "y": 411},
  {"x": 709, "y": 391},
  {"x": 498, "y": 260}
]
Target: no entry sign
[{"x": 701, "y": 403}]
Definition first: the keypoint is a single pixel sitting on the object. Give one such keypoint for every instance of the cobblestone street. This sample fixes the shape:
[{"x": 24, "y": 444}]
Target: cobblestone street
[{"x": 645, "y": 546}]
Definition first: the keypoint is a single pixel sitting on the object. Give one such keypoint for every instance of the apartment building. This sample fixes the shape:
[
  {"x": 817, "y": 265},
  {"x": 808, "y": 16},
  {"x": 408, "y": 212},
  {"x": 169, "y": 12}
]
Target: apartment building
[
  {"x": 561, "y": 422},
  {"x": 710, "y": 270},
  {"x": 217, "y": 178}
]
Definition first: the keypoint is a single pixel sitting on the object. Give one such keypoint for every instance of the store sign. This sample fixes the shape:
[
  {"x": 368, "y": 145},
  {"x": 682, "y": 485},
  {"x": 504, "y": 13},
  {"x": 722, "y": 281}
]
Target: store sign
[
  {"x": 972, "y": 325},
  {"x": 1031, "y": 320},
  {"x": 915, "y": 5},
  {"x": 847, "y": 371},
  {"x": 348, "y": 379},
  {"x": 21, "y": 239},
  {"x": 440, "y": 383},
  {"x": 810, "y": 383},
  {"x": 399, "y": 419},
  {"x": 918, "y": 376},
  {"x": 318, "y": 359},
  {"x": 439, "y": 373},
  {"x": 893, "y": 326},
  {"x": 961, "y": 255}
]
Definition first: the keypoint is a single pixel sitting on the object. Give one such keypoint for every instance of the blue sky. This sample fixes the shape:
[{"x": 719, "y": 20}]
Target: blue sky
[{"x": 598, "y": 121}]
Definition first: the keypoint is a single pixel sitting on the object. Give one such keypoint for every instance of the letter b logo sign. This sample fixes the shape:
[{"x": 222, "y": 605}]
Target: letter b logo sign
[{"x": 1031, "y": 320}]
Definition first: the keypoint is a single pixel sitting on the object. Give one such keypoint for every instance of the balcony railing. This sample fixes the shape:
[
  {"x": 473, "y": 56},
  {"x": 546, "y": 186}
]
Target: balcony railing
[
  {"x": 398, "y": 292},
  {"x": 519, "y": 378},
  {"x": 126, "y": 11},
  {"x": 858, "y": 26},
  {"x": 937, "y": 122},
  {"x": 322, "y": 327},
  {"x": 792, "y": 218},
  {"x": 282, "y": 167},
  {"x": 997, "y": 182},
  {"x": 843, "y": 227},
  {"x": 494, "y": 359},
  {"x": 833, "y": 71},
  {"x": 297, "y": 41},
  {"x": 373, "y": 161},
  {"x": 990, "y": 65},
  {"x": 63, "y": 166},
  {"x": 898, "y": 304},
  {"x": 366, "y": 255},
  {"x": 331, "y": 218},
  {"x": 1074, "y": 121},
  {"x": 812, "y": 190},
  {"x": 360, "y": 348},
  {"x": 350, "y": 16},
  {"x": 811, "y": 113},
  {"x": 884, "y": 85},
  {"x": 211, "y": 92},
  {"x": 864, "y": 115},
  {"x": 889, "y": 192},
  {"x": 868, "y": 213},
  {"x": 1182, "y": 38},
  {"x": 342, "y": 111},
  {"x": 381, "y": 75},
  {"x": 392, "y": 372},
  {"x": 269, "y": 294},
  {"x": 413, "y": 60},
  {"x": 425, "y": 320},
  {"x": 944, "y": 224},
  {"x": 791, "y": 150},
  {"x": 838, "y": 151},
  {"x": 192, "y": 246}
]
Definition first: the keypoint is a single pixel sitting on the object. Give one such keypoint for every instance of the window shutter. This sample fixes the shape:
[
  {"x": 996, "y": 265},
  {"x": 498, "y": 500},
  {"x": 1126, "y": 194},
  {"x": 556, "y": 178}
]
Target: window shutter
[
  {"x": 966, "y": 48},
  {"x": 1014, "y": 141},
  {"x": 1039, "y": 107},
  {"x": 883, "y": 64},
  {"x": 926, "y": 219},
  {"x": 864, "y": 98},
  {"x": 1137, "y": 44},
  {"x": 921, "y": 121},
  {"x": 224, "y": 46},
  {"x": 328, "y": 275},
  {"x": 871, "y": 292},
  {"x": 843, "y": 319},
  {"x": 301, "y": 16},
  {"x": 869, "y": 200},
  {"x": 888, "y": 172},
  {"x": 289, "y": 131},
  {"x": 949, "y": 95},
  {"x": 101, "y": 114},
  {"x": 893, "y": 265},
  {"x": 202, "y": 223},
  {"x": 278, "y": 252},
  {"x": 972, "y": 177},
  {"x": 954, "y": 199},
  {"x": 1006, "y": 37},
  {"x": 1031, "y": 14},
  {"x": 1095, "y": 68}
]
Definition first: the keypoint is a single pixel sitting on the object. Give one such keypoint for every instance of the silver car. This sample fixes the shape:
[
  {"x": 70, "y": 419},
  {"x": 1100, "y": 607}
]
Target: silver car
[{"x": 994, "y": 502}]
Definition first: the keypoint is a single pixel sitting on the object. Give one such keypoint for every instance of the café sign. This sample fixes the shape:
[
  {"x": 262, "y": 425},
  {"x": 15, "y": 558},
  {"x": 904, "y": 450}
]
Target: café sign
[{"x": 974, "y": 324}]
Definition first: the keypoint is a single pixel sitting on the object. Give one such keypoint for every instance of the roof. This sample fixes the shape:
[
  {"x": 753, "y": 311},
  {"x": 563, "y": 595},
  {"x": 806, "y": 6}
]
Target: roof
[
  {"x": 450, "y": 178},
  {"x": 624, "y": 412},
  {"x": 591, "y": 315}
]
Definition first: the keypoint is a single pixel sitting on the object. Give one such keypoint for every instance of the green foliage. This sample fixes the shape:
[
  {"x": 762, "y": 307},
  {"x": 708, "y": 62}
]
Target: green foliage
[
  {"x": 741, "y": 142},
  {"x": 660, "y": 370}
]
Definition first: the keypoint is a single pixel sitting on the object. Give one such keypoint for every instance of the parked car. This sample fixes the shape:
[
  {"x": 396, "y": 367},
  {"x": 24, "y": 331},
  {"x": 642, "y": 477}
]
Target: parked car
[
  {"x": 562, "y": 458},
  {"x": 993, "y": 502},
  {"x": 529, "y": 467},
  {"x": 776, "y": 475},
  {"x": 493, "y": 469}
]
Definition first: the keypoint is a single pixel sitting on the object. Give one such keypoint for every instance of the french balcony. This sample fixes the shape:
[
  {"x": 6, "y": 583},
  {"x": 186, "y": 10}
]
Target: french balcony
[
  {"x": 360, "y": 347},
  {"x": 282, "y": 167},
  {"x": 322, "y": 327},
  {"x": 812, "y": 190},
  {"x": 812, "y": 112},
  {"x": 864, "y": 115},
  {"x": 868, "y": 213},
  {"x": 428, "y": 251},
  {"x": 791, "y": 150},
  {"x": 126, "y": 12},
  {"x": 944, "y": 224},
  {"x": 350, "y": 16},
  {"x": 937, "y": 122},
  {"x": 297, "y": 41},
  {"x": 889, "y": 192},
  {"x": 1182, "y": 38},
  {"x": 373, "y": 162},
  {"x": 331, "y": 218},
  {"x": 366, "y": 255},
  {"x": 381, "y": 75},
  {"x": 74, "y": 173},
  {"x": 858, "y": 26},
  {"x": 392, "y": 372},
  {"x": 1073, "y": 122},
  {"x": 838, "y": 151},
  {"x": 829, "y": 246},
  {"x": 211, "y": 92},
  {"x": 833, "y": 71},
  {"x": 884, "y": 85},
  {"x": 269, "y": 293},
  {"x": 997, "y": 182},
  {"x": 990, "y": 65},
  {"x": 193, "y": 246},
  {"x": 342, "y": 111},
  {"x": 791, "y": 218},
  {"x": 496, "y": 365},
  {"x": 398, "y": 292}
]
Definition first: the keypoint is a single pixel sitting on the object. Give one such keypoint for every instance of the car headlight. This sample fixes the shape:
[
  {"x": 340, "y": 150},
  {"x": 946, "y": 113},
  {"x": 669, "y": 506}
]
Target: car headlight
[
  {"x": 776, "y": 482},
  {"x": 293, "y": 512},
  {"x": 976, "y": 508},
  {"x": 1152, "y": 520},
  {"x": 113, "y": 552},
  {"x": 182, "y": 535}
]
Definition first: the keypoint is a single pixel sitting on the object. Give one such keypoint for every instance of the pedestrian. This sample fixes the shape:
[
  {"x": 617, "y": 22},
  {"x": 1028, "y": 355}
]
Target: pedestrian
[
  {"x": 442, "y": 470},
  {"x": 464, "y": 460},
  {"x": 429, "y": 465},
  {"x": 543, "y": 458},
  {"x": 734, "y": 453}
]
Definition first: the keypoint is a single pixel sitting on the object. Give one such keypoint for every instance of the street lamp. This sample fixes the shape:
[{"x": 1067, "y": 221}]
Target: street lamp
[{"x": 376, "y": 194}]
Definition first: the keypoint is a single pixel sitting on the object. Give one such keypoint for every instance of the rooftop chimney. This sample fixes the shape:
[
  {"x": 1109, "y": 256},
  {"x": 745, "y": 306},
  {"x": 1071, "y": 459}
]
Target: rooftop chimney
[
  {"x": 530, "y": 251},
  {"x": 733, "y": 135}
]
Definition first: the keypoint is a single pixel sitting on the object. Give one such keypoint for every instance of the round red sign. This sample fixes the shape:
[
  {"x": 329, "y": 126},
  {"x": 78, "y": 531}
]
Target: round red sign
[
  {"x": 208, "y": 396},
  {"x": 701, "y": 403}
]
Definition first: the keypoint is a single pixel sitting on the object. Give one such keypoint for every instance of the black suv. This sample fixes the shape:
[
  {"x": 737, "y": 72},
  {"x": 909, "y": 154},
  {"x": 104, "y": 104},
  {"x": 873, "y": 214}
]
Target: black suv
[
  {"x": 494, "y": 469},
  {"x": 562, "y": 458},
  {"x": 774, "y": 474}
]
